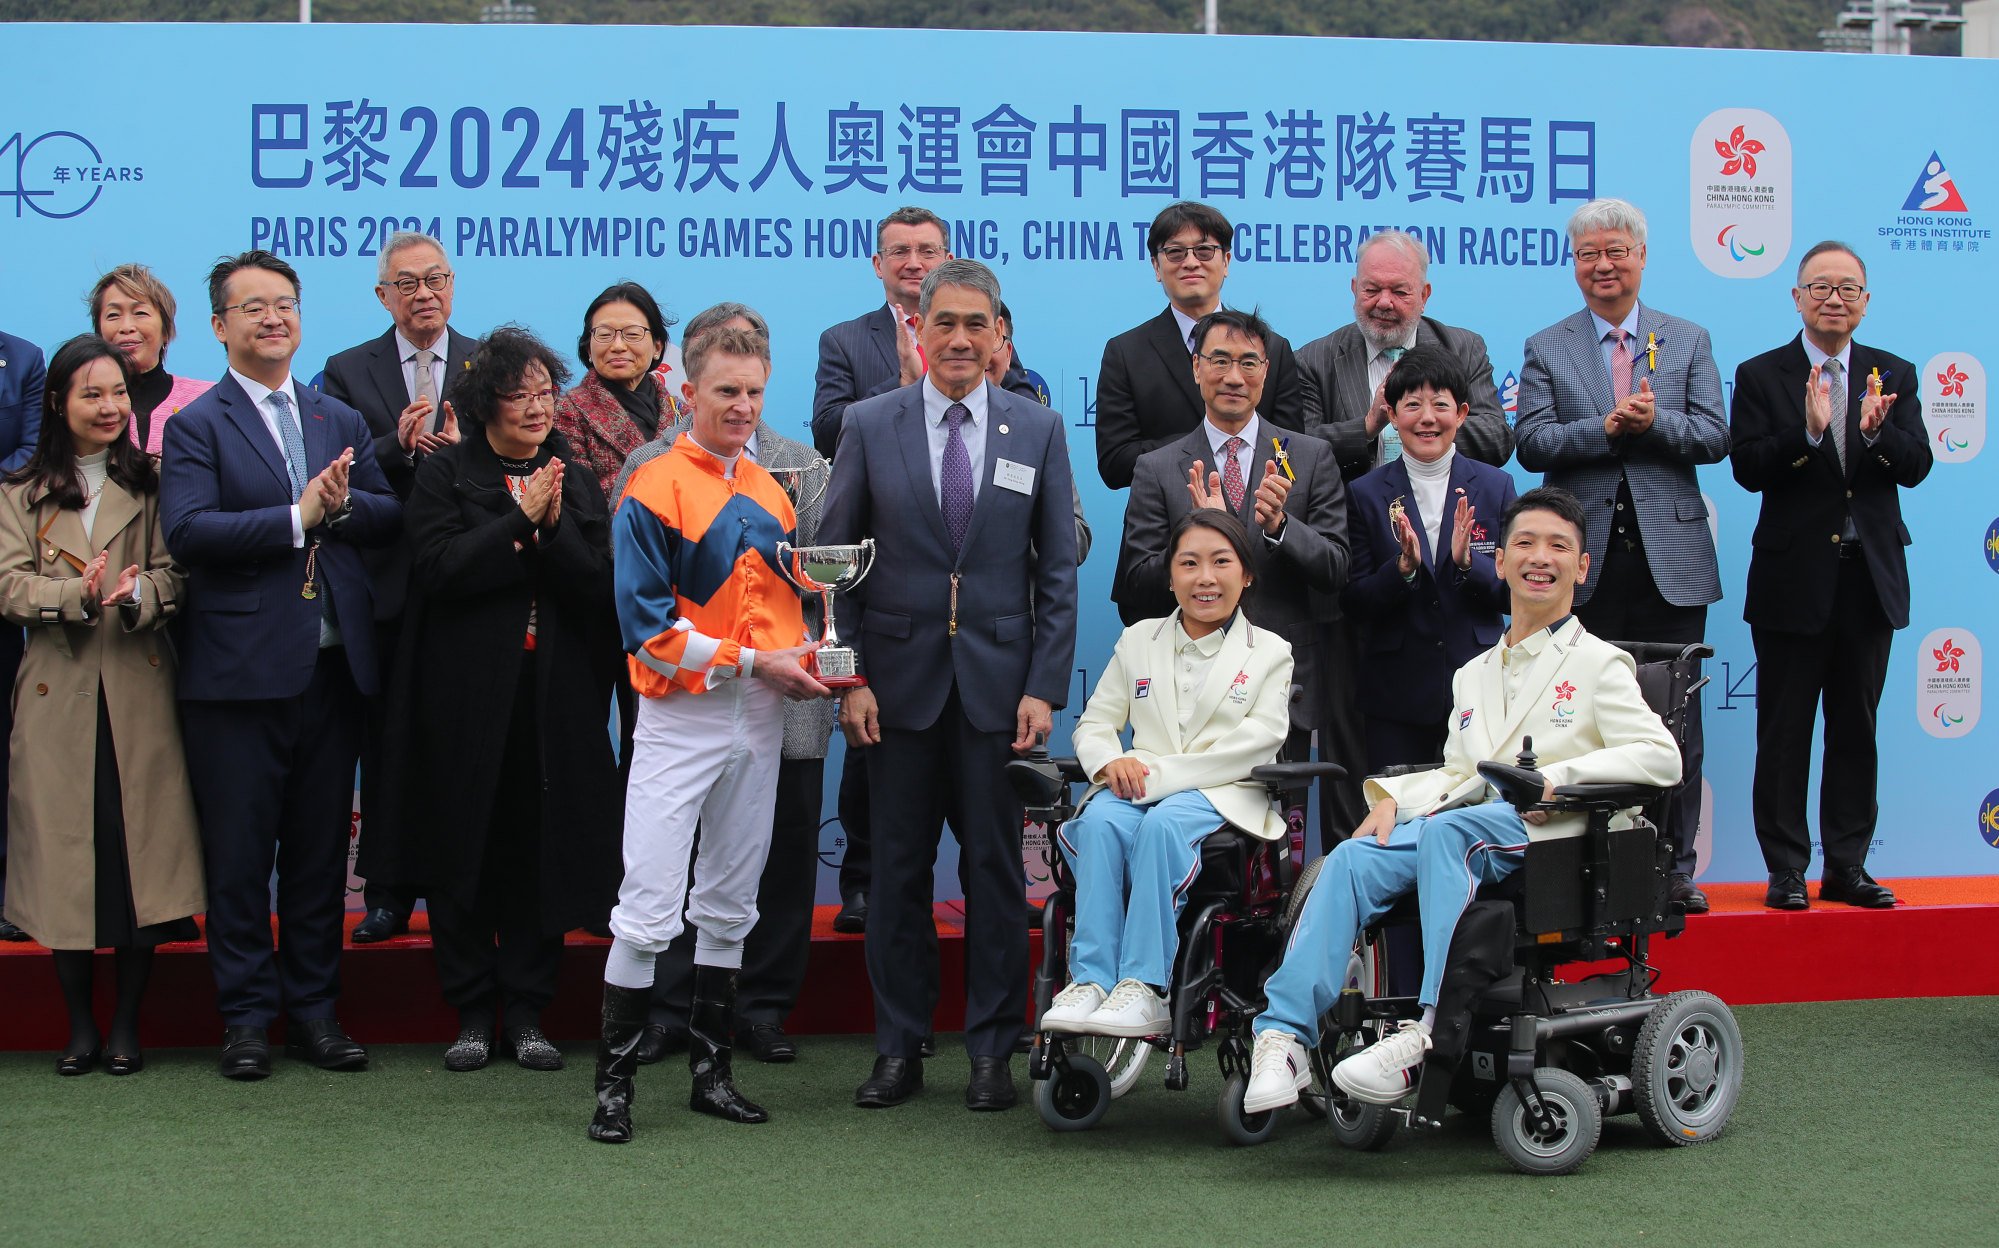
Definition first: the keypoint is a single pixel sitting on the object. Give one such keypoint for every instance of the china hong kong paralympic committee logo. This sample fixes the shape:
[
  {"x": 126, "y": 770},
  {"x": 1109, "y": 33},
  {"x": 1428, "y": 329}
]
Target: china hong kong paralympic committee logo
[
  {"x": 1949, "y": 682},
  {"x": 1740, "y": 192},
  {"x": 1953, "y": 384},
  {"x": 1564, "y": 704},
  {"x": 59, "y": 175},
  {"x": 1988, "y": 819}
]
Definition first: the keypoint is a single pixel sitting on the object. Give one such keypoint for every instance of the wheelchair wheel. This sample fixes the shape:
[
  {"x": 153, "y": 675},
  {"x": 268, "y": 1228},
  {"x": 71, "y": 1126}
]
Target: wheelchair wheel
[
  {"x": 1578, "y": 1125},
  {"x": 1356, "y": 1123},
  {"x": 1240, "y": 1127},
  {"x": 1123, "y": 1059},
  {"x": 1686, "y": 1068},
  {"x": 1294, "y": 905},
  {"x": 1074, "y": 1099}
]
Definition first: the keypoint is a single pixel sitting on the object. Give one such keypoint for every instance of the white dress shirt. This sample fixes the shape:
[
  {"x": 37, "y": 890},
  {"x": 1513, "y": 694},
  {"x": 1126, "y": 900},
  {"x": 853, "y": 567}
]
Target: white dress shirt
[
  {"x": 1192, "y": 658},
  {"x": 972, "y": 430}
]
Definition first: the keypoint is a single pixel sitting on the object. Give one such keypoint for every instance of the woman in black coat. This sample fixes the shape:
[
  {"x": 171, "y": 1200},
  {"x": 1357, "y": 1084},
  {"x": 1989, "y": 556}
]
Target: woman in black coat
[{"x": 507, "y": 805}]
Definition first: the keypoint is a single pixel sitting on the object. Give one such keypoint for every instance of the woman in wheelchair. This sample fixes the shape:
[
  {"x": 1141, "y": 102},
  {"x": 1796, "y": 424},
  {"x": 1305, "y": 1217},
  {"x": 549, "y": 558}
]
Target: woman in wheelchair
[
  {"x": 1207, "y": 695},
  {"x": 1441, "y": 833}
]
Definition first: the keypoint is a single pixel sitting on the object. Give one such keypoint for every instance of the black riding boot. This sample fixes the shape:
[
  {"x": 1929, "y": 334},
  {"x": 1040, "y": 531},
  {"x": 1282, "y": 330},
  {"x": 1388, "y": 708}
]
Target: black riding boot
[
  {"x": 710, "y": 1045},
  {"x": 617, "y": 1061}
]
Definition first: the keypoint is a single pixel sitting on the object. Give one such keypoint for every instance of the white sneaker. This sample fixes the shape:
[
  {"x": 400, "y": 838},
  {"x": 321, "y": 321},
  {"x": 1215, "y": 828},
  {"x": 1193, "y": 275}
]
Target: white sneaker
[
  {"x": 1071, "y": 1008},
  {"x": 1386, "y": 1071},
  {"x": 1278, "y": 1071},
  {"x": 1133, "y": 1009}
]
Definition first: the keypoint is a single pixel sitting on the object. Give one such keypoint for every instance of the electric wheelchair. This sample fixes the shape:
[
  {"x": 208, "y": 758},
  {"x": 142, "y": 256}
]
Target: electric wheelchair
[
  {"x": 1549, "y": 1060},
  {"x": 1230, "y": 941}
]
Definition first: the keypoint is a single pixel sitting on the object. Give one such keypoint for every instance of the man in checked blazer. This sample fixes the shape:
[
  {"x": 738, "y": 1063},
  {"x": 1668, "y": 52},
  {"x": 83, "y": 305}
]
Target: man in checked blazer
[{"x": 1618, "y": 404}]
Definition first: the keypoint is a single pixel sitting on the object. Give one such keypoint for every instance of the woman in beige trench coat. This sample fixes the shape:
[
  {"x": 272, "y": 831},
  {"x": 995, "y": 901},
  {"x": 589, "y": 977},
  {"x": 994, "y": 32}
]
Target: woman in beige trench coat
[{"x": 103, "y": 846}]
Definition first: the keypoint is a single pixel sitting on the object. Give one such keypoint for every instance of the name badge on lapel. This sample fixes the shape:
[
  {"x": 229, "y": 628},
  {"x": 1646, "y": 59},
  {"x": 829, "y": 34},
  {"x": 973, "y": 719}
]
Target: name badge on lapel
[{"x": 1011, "y": 476}]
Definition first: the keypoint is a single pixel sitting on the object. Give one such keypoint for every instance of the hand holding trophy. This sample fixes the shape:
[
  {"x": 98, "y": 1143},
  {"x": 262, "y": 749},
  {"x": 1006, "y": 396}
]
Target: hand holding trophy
[{"x": 825, "y": 569}]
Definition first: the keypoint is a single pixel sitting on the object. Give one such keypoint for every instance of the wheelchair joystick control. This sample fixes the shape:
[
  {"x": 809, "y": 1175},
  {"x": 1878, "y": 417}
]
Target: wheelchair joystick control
[{"x": 1527, "y": 758}]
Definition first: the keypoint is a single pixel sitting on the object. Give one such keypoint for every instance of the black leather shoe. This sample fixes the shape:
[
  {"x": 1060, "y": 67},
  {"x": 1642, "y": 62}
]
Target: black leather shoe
[
  {"x": 473, "y": 1048},
  {"x": 246, "y": 1054},
  {"x": 1683, "y": 893},
  {"x": 378, "y": 925},
  {"x": 660, "y": 1040},
  {"x": 768, "y": 1043},
  {"x": 992, "y": 1085},
  {"x": 125, "y": 1063},
  {"x": 1787, "y": 891},
  {"x": 895, "y": 1080},
  {"x": 1855, "y": 887},
  {"x": 853, "y": 916},
  {"x": 10, "y": 932},
  {"x": 322, "y": 1043},
  {"x": 927, "y": 1047},
  {"x": 77, "y": 1063}
]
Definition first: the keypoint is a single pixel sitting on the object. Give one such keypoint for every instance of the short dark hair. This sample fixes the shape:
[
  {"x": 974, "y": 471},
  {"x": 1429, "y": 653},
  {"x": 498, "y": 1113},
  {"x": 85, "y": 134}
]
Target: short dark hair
[
  {"x": 497, "y": 365},
  {"x": 1249, "y": 324},
  {"x": 53, "y": 462},
  {"x": 1214, "y": 519},
  {"x": 640, "y": 298},
  {"x": 1176, "y": 217},
  {"x": 1830, "y": 244},
  {"x": 1551, "y": 498},
  {"x": 227, "y": 267},
  {"x": 1438, "y": 370},
  {"x": 909, "y": 214}
]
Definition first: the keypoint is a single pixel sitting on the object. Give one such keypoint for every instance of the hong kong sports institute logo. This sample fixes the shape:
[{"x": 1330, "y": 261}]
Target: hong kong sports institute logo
[{"x": 1935, "y": 190}]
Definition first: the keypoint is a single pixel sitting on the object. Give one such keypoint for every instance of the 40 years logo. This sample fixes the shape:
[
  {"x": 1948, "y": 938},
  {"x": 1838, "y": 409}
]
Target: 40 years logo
[
  {"x": 59, "y": 174},
  {"x": 1949, "y": 682}
]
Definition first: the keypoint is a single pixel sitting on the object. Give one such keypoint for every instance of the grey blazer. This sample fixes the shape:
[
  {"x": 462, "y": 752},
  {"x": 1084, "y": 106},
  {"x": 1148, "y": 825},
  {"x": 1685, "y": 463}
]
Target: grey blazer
[
  {"x": 1298, "y": 579},
  {"x": 807, "y": 725},
  {"x": 1016, "y": 591},
  {"x": 1564, "y": 397},
  {"x": 1333, "y": 370}
]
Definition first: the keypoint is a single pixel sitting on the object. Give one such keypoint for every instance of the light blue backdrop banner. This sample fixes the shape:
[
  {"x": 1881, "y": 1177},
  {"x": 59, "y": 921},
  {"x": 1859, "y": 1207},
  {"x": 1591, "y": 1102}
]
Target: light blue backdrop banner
[{"x": 752, "y": 164}]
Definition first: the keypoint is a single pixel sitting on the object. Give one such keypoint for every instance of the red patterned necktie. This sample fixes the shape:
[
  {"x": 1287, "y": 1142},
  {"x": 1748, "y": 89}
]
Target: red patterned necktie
[
  {"x": 1620, "y": 365},
  {"x": 1232, "y": 483}
]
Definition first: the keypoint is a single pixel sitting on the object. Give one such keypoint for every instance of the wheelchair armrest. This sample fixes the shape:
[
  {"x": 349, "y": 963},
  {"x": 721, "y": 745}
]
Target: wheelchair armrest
[
  {"x": 1643, "y": 652},
  {"x": 1520, "y": 787},
  {"x": 1043, "y": 782},
  {"x": 1604, "y": 796},
  {"x": 1407, "y": 769},
  {"x": 1284, "y": 777}
]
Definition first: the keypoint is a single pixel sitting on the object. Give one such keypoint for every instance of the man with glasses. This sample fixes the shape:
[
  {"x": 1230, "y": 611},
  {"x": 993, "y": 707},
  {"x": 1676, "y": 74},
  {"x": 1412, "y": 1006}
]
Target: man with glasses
[
  {"x": 1146, "y": 397},
  {"x": 1284, "y": 486},
  {"x": 397, "y": 382},
  {"x": 1618, "y": 405},
  {"x": 268, "y": 490},
  {"x": 1342, "y": 373},
  {"x": 1829, "y": 431}
]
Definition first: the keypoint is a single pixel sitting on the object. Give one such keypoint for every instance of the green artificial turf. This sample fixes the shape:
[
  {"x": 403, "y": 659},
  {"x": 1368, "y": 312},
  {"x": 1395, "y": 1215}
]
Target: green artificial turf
[{"x": 1860, "y": 1122}]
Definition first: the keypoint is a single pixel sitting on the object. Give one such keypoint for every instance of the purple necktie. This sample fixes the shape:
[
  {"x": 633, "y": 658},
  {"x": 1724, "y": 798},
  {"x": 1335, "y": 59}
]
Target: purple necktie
[{"x": 955, "y": 475}]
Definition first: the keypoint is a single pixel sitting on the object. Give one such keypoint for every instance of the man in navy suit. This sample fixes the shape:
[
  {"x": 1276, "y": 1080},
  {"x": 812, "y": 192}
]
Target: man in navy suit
[
  {"x": 267, "y": 491},
  {"x": 1830, "y": 432},
  {"x": 397, "y": 382},
  {"x": 21, "y": 374},
  {"x": 1618, "y": 404},
  {"x": 967, "y": 634},
  {"x": 1295, "y": 508},
  {"x": 1146, "y": 396}
]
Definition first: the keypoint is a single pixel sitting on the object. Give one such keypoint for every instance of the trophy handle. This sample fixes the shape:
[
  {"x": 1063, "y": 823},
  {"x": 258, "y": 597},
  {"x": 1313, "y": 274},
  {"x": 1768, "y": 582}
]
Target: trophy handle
[
  {"x": 867, "y": 563},
  {"x": 824, "y": 470}
]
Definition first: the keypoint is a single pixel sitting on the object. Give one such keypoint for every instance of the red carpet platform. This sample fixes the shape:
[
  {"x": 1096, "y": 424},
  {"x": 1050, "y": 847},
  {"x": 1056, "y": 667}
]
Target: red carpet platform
[{"x": 1932, "y": 945}]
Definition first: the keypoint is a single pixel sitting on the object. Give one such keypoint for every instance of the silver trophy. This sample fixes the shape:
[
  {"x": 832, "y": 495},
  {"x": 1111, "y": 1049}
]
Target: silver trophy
[
  {"x": 793, "y": 481},
  {"x": 825, "y": 569}
]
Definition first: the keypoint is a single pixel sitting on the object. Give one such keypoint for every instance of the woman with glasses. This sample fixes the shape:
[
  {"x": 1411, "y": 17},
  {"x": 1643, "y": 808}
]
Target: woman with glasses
[
  {"x": 503, "y": 811},
  {"x": 134, "y": 311},
  {"x": 621, "y": 403},
  {"x": 104, "y": 848}
]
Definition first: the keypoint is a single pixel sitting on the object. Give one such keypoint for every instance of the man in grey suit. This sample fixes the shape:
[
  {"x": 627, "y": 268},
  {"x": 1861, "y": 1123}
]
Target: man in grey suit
[
  {"x": 397, "y": 381},
  {"x": 967, "y": 635},
  {"x": 1618, "y": 404},
  {"x": 1341, "y": 377},
  {"x": 1282, "y": 485},
  {"x": 1342, "y": 373}
]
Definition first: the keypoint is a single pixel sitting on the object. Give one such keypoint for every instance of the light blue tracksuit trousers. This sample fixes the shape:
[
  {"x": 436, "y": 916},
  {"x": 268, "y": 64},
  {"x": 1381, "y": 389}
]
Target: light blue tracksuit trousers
[{"x": 1133, "y": 866}]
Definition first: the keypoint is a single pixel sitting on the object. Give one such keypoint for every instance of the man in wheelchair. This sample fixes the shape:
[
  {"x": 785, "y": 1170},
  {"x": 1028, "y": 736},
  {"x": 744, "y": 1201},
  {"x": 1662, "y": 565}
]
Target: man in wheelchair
[{"x": 1442, "y": 833}]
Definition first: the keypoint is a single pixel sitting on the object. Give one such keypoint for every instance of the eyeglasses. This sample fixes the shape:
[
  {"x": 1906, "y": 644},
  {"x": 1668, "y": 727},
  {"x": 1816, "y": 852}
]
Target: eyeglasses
[
  {"x": 604, "y": 335},
  {"x": 1250, "y": 365},
  {"x": 928, "y": 251},
  {"x": 1849, "y": 292},
  {"x": 525, "y": 398},
  {"x": 429, "y": 281},
  {"x": 1174, "y": 253},
  {"x": 1590, "y": 255},
  {"x": 255, "y": 308}
]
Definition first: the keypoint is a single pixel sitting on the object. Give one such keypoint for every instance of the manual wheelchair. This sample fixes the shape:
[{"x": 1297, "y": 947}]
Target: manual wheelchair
[
  {"x": 1550, "y": 1060},
  {"x": 1230, "y": 940}
]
